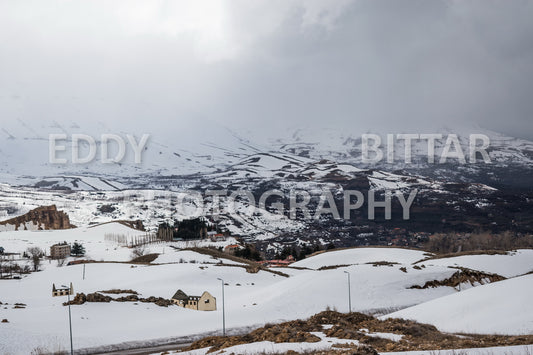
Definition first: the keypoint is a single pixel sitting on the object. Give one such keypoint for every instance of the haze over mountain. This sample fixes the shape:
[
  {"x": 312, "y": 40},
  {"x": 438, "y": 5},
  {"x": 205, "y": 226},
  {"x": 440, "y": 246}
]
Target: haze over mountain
[
  {"x": 265, "y": 65},
  {"x": 203, "y": 147}
]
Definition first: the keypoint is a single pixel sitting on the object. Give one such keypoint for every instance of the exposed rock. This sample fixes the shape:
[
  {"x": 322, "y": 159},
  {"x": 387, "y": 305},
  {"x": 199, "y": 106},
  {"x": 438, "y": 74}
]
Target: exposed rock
[
  {"x": 107, "y": 209},
  {"x": 81, "y": 298},
  {"x": 162, "y": 302},
  {"x": 462, "y": 276},
  {"x": 45, "y": 218},
  {"x": 119, "y": 291},
  {"x": 357, "y": 326},
  {"x": 98, "y": 297},
  {"x": 129, "y": 298}
]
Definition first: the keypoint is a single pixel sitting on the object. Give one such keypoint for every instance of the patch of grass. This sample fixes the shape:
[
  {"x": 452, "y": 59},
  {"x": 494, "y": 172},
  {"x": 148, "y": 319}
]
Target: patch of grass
[
  {"x": 382, "y": 263},
  {"x": 462, "y": 276},
  {"x": 145, "y": 259},
  {"x": 250, "y": 266},
  {"x": 332, "y": 267},
  {"x": 472, "y": 252}
]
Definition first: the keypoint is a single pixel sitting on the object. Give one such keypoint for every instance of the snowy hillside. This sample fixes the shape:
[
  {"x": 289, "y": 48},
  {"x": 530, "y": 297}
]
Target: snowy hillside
[
  {"x": 202, "y": 147},
  {"x": 500, "y": 308},
  {"x": 150, "y": 206},
  {"x": 511, "y": 264},
  {"x": 251, "y": 298},
  {"x": 361, "y": 256}
]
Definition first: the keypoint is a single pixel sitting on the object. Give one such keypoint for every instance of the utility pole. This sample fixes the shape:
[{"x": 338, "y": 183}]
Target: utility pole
[
  {"x": 84, "y": 271},
  {"x": 69, "y": 318},
  {"x": 223, "y": 309},
  {"x": 349, "y": 292}
]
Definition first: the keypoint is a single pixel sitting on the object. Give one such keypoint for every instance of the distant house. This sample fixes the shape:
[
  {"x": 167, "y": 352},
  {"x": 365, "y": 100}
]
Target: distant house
[
  {"x": 217, "y": 237},
  {"x": 60, "y": 251},
  {"x": 62, "y": 291},
  {"x": 205, "y": 302},
  {"x": 278, "y": 263}
]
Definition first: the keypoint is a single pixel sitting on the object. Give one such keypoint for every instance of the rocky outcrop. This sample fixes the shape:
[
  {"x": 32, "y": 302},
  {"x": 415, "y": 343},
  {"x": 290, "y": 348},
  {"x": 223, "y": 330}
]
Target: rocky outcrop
[
  {"x": 82, "y": 298},
  {"x": 462, "y": 276},
  {"x": 41, "y": 218}
]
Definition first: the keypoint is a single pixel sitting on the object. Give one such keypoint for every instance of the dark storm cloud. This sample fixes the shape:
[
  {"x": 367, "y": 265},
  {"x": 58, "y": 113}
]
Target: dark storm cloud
[{"x": 363, "y": 65}]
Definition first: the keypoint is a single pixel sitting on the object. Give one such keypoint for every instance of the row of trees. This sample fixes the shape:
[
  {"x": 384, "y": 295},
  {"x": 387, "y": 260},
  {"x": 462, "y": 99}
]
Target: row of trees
[
  {"x": 299, "y": 253},
  {"x": 446, "y": 243},
  {"x": 249, "y": 252},
  {"x": 9, "y": 268},
  {"x": 188, "y": 229}
]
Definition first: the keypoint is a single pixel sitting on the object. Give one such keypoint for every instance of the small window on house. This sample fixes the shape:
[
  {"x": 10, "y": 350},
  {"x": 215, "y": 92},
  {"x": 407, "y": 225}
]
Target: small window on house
[{"x": 206, "y": 301}]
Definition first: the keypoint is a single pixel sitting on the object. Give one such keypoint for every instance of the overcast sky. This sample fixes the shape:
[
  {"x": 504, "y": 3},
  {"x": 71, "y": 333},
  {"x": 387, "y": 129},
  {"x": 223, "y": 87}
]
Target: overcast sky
[{"x": 355, "y": 64}]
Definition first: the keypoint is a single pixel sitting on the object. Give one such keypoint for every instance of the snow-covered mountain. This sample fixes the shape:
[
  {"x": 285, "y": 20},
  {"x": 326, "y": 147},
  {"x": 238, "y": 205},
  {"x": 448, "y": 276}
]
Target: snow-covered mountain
[
  {"x": 170, "y": 157},
  {"x": 511, "y": 158},
  {"x": 197, "y": 148},
  {"x": 203, "y": 155}
]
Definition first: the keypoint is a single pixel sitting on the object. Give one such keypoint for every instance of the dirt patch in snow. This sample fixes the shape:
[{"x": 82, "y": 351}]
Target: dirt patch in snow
[
  {"x": 82, "y": 298},
  {"x": 366, "y": 330},
  {"x": 460, "y": 277},
  {"x": 145, "y": 259}
]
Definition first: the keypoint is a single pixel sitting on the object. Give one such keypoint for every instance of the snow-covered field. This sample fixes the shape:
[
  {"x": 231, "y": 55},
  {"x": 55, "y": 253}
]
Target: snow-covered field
[
  {"x": 266, "y": 347},
  {"x": 503, "y": 307},
  {"x": 498, "y": 350},
  {"x": 362, "y": 256},
  {"x": 252, "y": 299},
  {"x": 509, "y": 265}
]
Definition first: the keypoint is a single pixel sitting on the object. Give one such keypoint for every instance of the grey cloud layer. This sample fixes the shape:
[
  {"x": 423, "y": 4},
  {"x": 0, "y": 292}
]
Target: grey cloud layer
[{"x": 384, "y": 65}]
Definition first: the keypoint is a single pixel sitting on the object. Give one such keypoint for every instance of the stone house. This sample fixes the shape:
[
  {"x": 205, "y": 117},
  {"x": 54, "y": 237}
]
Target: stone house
[
  {"x": 62, "y": 291},
  {"x": 60, "y": 251},
  {"x": 205, "y": 302},
  {"x": 217, "y": 237}
]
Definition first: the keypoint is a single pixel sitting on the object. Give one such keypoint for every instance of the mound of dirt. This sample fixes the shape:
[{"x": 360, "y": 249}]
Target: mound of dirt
[
  {"x": 358, "y": 326},
  {"x": 462, "y": 276},
  {"x": 81, "y": 298}
]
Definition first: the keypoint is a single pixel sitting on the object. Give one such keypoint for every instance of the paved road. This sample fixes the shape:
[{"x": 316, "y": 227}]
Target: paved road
[{"x": 147, "y": 351}]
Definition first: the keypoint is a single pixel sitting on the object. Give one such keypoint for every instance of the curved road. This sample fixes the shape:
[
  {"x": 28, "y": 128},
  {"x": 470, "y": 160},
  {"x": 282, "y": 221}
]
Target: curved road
[{"x": 147, "y": 351}]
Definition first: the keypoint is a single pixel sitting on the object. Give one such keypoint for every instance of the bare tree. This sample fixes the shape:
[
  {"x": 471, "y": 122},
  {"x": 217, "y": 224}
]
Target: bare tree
[
  {"x": 3, "y": 262},
  {"x": 61, "y": 261},
  {"x": 138, "y": 251},
  {"x": 35, "y": 255}
]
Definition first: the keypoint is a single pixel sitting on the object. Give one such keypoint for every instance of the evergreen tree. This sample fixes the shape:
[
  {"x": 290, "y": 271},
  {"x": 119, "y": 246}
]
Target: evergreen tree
[{"x": 77, "y": 249}]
